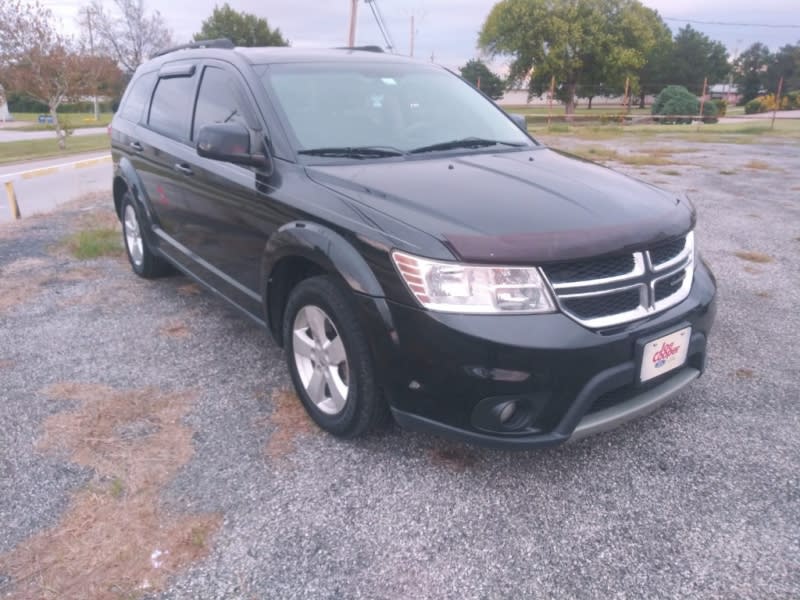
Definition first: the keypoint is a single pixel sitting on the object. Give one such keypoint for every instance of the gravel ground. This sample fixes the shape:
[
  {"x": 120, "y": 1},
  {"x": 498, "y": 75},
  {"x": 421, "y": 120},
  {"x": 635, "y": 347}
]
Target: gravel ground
[{"x": 700, "y": 500}]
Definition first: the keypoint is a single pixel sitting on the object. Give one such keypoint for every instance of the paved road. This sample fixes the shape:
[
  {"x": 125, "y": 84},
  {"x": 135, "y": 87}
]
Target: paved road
[
  {"x": 42, "y": 194},
  {"x": 11, "y": 135}
]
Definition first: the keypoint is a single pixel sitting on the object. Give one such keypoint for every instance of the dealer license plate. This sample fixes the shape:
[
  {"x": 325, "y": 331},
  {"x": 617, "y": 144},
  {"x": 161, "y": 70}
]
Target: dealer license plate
[{"x": 665, "y": 354}]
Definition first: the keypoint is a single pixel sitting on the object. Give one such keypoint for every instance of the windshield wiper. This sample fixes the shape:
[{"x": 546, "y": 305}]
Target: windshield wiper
[
  {"x": 471, "y": 142},
  {"x": 355, "y": 152}
]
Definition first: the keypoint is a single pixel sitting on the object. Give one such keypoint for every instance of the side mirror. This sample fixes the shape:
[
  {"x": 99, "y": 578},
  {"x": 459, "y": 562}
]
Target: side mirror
[
  {"x": 520, "y": 121},
  {"x": 230, "y": 142}
]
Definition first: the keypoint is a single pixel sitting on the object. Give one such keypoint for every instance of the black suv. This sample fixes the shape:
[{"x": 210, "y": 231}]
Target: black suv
[{"x": 409, "y": 245}]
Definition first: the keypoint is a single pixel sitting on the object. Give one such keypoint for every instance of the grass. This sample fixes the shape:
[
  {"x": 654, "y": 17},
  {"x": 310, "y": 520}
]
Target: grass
[
  {"x": 74, "y": 120},
  {"x": 94, "y": 243},
  {"x": 756, "y": 257},
  {"x": 600, "y": 153},
  {"x": 117, "y": 488},
  {"x": 758, "y": 165},
  {"x": 739, "y": 133},
  {"x": 100, "y": 546},
  {"x": 33, "y": 149},
  {"x": 581, "y": 111}
]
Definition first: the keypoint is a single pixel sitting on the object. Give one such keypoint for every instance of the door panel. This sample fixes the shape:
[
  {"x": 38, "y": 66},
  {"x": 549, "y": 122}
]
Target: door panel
[
  {"x": 228, "y": 221},
  {"x": 164, "y": 142}
]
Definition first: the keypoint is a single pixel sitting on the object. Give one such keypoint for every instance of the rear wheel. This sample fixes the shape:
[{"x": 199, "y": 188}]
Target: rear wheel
[
  {"x": 329, "y": 359},
  {"x": 143, "y": 261}
]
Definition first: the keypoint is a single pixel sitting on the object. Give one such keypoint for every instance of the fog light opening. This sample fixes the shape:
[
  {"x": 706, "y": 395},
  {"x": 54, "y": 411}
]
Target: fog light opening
[{"x": 507, "y": 411}]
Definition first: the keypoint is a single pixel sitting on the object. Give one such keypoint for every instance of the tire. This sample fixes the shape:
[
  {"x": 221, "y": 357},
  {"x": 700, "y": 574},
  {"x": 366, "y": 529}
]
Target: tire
[
  {"x": 143, "y": 261},
  {"x": 329, "y": 359}
]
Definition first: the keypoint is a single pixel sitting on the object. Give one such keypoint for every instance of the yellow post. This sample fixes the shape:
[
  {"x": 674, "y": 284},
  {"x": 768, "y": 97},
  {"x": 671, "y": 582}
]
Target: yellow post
[{"x": 12, "y": 200}]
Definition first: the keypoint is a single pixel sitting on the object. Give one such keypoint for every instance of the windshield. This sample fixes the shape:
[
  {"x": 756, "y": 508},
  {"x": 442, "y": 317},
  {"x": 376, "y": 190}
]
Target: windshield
[{"x": 396, "y": 108}]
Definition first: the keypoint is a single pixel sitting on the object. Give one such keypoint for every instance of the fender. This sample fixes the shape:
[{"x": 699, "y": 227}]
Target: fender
[
  {"x": 324, "y": 247},
  {"x": 331, "y": 251}
]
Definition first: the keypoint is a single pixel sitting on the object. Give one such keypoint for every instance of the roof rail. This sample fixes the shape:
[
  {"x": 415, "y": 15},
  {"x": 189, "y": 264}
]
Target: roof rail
[
  {"x": 219, "y": 43},
  {"x": 363, "y": 48}
]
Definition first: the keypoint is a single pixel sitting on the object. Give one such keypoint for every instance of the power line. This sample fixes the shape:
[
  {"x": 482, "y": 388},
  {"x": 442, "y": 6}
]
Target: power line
[
  {"x": 729, "y": 24},
  {"x": 376, "y": 12}
]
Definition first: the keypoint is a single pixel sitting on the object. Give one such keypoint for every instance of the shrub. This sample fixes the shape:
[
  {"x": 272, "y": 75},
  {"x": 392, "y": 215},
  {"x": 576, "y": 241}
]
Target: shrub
[
  {"x": 754, "y": 106},
  {"x": 767, "y": 103},
  {"x": 721, "y": 106},
  {"x": 710, "y": 112},
  {"x": 675, "y": 101},
  {"x": 793, "y": 100}
]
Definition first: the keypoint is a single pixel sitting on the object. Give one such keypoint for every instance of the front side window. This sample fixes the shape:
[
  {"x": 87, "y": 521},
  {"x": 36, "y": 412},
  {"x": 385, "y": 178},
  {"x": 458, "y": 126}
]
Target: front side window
[
  {"x": 391, "y": 105},
  {"x": 171, "y": 109},
  {"x": 217, "y": 100}
]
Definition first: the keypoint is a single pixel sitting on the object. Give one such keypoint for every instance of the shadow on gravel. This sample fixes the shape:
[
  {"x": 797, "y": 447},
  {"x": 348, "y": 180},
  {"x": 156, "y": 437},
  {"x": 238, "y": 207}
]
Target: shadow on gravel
[{"x": 114, "y": 541}]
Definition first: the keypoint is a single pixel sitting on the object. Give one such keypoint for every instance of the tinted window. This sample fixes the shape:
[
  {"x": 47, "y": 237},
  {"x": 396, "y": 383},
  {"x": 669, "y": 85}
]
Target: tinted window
[
  {"x": 171, "y": 110},
  {"x": 137, "y": 98},
  {"x": 217, "y": 101},
  {"x": 405, "y": 106}
]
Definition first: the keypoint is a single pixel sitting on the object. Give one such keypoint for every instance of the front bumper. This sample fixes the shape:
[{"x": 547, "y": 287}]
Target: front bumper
[{"x": 443, "y": 372}]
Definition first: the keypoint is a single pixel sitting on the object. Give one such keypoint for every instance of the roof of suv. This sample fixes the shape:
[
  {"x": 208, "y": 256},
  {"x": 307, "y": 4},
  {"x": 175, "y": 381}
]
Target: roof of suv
[{"x": 281, "y": 54}]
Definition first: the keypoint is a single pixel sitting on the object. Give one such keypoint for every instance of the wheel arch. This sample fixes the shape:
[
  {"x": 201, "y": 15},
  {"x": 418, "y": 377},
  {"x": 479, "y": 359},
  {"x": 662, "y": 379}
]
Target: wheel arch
[
  {"x": 303, "y": 249},
  {"x": 127, "y": 180}
]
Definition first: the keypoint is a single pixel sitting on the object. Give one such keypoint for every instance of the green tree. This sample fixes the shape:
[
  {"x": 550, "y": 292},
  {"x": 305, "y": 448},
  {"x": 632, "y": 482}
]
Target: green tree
[
  {"x": 478, "y": 74},
  {"x": 786, "y": 64},
  {"x": 694, "y": 57},
  {"x": 569, "y": 40},
  {"x": 654, "y": 73},
  {"x": 243, "y": 29},
  {"x": 751, "y": 70}
]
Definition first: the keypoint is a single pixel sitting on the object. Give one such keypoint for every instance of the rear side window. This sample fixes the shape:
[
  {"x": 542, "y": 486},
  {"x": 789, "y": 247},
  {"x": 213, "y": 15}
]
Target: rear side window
[
  {"x": 137, "y": 98},
  {"x": 218, "y": 100},
  {"x": 171, "y": 110}
]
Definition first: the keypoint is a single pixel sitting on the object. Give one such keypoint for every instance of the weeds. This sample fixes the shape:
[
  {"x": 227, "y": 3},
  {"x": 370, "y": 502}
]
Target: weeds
[
  {"x": 94, "y": 243},
  {"x": 756, "y": 257},
  {"x": 758, "y": 165}
]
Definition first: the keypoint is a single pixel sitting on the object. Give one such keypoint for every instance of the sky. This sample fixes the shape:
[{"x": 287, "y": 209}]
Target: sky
[{"x": 447, "y": 30}]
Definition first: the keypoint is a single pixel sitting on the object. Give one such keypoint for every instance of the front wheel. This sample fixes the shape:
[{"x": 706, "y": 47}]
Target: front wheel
[{"x": 329, "y": 359}]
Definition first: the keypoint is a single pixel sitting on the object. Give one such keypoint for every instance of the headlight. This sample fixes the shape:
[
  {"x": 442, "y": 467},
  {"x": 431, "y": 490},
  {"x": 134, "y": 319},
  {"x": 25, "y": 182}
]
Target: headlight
[{"x": 458, "y": 288}]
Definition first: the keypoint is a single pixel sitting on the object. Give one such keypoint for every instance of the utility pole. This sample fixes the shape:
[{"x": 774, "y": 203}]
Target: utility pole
[
  {"x": 351, "y": 38},
  {"x": 91, "y": 51},
  {"x": 411, "y": 53},
  {"x": 777, "y": 102},
  {"x": 703, "y": 98}
]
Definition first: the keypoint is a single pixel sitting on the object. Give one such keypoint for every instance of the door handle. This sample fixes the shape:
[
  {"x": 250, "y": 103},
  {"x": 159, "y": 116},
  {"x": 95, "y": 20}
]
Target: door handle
[
  {"x": 184, "y": 168},
  {"x": 136, "y": 146}
]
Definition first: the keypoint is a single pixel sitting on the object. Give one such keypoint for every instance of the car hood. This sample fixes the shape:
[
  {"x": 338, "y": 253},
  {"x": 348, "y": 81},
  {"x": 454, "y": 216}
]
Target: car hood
[{"x": 528, "y": 206}]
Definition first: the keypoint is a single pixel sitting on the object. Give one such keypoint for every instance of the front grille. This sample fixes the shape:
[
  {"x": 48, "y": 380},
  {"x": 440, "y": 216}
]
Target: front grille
[
  {"x": 609, "y": 291},
  {"x": 593, "y": 307},
  {"x": 668, "y": 286},
  {"x": 586, "y": 270},
  {"x": 667, "y": 251}
]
